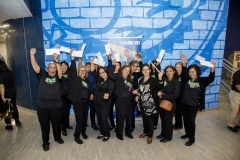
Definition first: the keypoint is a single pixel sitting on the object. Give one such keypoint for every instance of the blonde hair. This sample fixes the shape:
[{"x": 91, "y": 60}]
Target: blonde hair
[{"x": 85, "y": 70}]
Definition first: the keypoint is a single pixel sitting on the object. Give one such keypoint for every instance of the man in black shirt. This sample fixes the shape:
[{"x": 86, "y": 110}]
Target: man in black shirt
[
  {"x": 49, "y": 99},
  {"x": 234, "y": 97}
]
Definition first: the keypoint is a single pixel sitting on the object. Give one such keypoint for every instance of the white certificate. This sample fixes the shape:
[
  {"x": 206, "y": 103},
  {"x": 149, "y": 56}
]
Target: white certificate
[
  {"x": 95, "y": 61},
  {"x": 65, "y": 49},
  {"x": 51, "y": 51},
  {"x": 117, "y": 56},
  {"x": 107, "y": 48},
  {"x": 77, "y": 53},
  {"x": 198, "y": 58},
  {"x": 160, "y": 56},
  {"x": 206, "y": 63},
  {"x": 83, "y": 46},
  {"x": 99, "y": 57}
]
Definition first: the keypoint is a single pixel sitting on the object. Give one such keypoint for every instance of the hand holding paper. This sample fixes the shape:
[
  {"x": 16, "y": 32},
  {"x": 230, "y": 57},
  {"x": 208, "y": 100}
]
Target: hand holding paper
[
  {"x": 107, "y": 48},
  {"x": 77, "y": 53}
]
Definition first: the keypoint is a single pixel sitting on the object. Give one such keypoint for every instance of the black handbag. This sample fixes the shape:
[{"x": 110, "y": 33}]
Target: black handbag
[{"x": 149, "y": 108}]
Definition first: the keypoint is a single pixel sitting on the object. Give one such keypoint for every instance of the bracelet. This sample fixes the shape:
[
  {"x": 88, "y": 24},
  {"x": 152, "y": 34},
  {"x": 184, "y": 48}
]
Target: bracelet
[{"x": 55, "y": 61}]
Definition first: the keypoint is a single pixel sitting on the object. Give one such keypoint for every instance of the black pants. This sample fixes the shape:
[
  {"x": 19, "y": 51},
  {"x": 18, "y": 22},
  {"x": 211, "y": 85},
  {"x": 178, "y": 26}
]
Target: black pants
[
  {"x": 178, "y": 116},
  {"x": 134, "y": 106},
  {"x": 148, "y": 125},
  {"x": 155, "y": 119},
  {"x": 111, "y": 117},
  {"x": 92, "y": 112},
  {"x": 102, "y": 115},
  {"x": 166, "y": 120},
  {"x": 189, "y": 117},
  {"x": 81, "y": 112},
  {"x": 66, "y": 105},
  {"x": 12, "y": 94},
  {"x": 47, "y": 116},
  {"x": 123, "y": 111}
]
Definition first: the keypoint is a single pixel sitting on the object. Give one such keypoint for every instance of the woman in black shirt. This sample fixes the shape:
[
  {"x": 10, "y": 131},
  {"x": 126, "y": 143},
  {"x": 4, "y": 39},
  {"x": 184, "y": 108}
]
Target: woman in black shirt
[
  {"x": 49, "y": 99},
  {"x": 102, "y": 100},
  {"x": 170, "y": 90},
  {"x": 148, "y": 88},
  {"x": 193, "y": 93},
  {"x": 123, "y": 91},
  {"x": 80, "y": 95}
]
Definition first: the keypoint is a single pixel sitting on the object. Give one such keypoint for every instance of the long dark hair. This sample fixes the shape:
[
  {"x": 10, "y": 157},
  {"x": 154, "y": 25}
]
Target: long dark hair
[
  {"x": 6, "y": 73},
  {"x": 196, "y": 67},
  {"x": 105, "y": 70},
  {"x": 66, "y": 63},
  {"x": 173, "y": 68}
]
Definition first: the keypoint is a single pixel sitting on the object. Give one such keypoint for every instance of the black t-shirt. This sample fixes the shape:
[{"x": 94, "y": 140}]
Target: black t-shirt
[
  {"x": 49, "y": 94},
  {"x": 65, "y": 84},
  {"x": 6, "y": 82},
  {"x": 236, "y": 80},
  {"x": 192, "y": 92}
]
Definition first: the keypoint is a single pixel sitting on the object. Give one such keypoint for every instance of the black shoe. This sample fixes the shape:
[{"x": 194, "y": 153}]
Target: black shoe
[
  {"x": 177, "y": 128},
  {"x": 84, "y": 135},
  {"x": 120, "y": 137},
  {"x": 100, "y": 136},
  {"x": 237, "y": 127},
  {"x": 189, "y": 143},
  {"x": 9, "y": 127},
  {"x": 18, "y": 123},
  {"x": 45, "y": 147},
  {"x": 233, "y": 129},
  {"x": 78, "y": 140},
  {"x": 160, "y": 136},
  {"x": 164, "y": 140},
  {"x": 95, "y": 127},
  {"x": 129, "y": 136},
  {"x": 60, "y": 141},
  {"x": 184, "y": 136},
  {"x": 64, "y": 132},
  {"x": 69, "y": 127},
  {"x": 105, "y": 139}
]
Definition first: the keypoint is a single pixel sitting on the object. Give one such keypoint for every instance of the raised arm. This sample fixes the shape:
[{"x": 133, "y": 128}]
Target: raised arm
[
  {"x": 59, "y": 68},
  {"x": 34, "y": 63},
  {"x": 73, "y": 69}
]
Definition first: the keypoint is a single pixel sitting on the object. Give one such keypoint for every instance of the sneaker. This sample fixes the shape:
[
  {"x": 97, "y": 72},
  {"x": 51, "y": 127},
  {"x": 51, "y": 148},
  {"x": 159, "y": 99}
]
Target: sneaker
[
  {"x": 9, "y": 127},
  {"x": 95, "y": 127},
  {"x": 78, "y": 140},
  {"x": 84, "y": 135},
  {"x": 45, "y": 147},
  {"x": 18, "y": 123}
]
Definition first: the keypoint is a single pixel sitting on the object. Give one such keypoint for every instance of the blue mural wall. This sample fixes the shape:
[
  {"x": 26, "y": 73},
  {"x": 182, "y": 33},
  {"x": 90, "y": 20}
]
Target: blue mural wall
[{"x": 191, "y": 27}]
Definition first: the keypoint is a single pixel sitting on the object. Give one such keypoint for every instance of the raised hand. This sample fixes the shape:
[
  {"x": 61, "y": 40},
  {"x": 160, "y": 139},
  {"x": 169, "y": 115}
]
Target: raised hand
[
  {"x": 55, "y": 55},
  {"x": 160, "y": 74},
  {"x": 33, "y": 51},
  {"x": 184, "y": 59}
]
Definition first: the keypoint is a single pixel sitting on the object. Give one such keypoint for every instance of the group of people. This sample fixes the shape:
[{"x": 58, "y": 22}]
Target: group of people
[{"x": 124, "y": 87}]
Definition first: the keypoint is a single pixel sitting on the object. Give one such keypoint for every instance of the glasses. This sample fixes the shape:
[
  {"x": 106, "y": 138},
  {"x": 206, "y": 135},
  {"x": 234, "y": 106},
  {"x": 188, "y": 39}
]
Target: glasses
[{"x": 82, "y": 70}]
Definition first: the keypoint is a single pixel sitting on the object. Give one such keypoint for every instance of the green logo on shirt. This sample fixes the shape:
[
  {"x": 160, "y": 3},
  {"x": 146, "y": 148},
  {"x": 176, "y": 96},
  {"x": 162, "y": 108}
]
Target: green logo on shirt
[
  {"x": 50, "y": 80},
  {"x": 165, "y": 83},
  {"x": 193, "y": 84},
  {"x": 141, "y": 87},
  {"x": 84, "y": 84},
  {"x": 132, "y": 77},
  {"x": 65, "y": 76}
]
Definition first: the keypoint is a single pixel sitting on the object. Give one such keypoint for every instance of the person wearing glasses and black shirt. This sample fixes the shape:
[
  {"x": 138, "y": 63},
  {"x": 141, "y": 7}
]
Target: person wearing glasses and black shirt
[{"x": 80, "y": 95}]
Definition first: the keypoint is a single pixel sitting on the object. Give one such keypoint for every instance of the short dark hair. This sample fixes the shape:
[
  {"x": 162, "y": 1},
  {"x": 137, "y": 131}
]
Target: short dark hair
[
  {"x": 173, "y": 68},
  {"x": 196, "y": 67}
]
